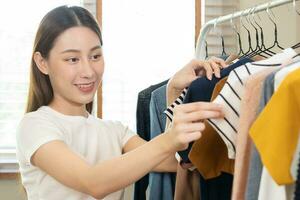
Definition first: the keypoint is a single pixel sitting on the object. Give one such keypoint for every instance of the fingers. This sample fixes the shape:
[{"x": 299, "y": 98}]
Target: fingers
[
  {"x": 200, "y": 116},
  {"x": 191, "y": 127},
  {"x": 211, "y": 66},
  {"x": 216, "y": 68},
  {"x": 219, "y": 61},
  {"x": 192, "y": 136},
  {"x": 208, "y": 69},
  {"x": 198, "y": 106}
]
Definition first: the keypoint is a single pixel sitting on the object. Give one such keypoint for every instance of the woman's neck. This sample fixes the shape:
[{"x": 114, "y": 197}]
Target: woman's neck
[{"x": 69, "y": 109}]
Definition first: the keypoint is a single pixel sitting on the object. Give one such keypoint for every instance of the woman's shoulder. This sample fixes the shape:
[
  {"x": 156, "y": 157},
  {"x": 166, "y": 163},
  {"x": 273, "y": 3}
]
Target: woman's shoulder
[
  {"x": 37, "y": 120},
  {"x": 34, "y": 116}
]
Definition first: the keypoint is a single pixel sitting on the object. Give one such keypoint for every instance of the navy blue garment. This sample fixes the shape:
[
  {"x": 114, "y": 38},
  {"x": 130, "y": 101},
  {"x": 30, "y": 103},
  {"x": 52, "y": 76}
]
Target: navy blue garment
[
  {"x": 161, "y": 185},
  {"x": 201, "y": 89},
  {"x": 143, "y": 130}
]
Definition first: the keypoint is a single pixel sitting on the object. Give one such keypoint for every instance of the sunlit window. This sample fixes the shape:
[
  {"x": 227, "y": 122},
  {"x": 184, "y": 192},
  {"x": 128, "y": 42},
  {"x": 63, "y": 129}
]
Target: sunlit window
[
  {"x": 145, "y": 42},
  {"x": 18, "y": 24}
]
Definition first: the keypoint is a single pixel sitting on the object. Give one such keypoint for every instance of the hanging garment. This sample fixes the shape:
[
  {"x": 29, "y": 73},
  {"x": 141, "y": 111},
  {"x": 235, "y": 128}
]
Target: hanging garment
[
  {"x": 284, "y": 103},
  {"x": 297, "y": 190},
  {"x": 161, "y": 185},
  {"x": 218, "y": 188},
  {"x": 143, "y": 130},
  {"x": 187, "y": 184},
  {"x": 256, "y": 166},
  {"x": 215, "y": 159},
  {"x": 231, "y": 94},
  {"x": 249, "y": 106},
  {"x": 178, "y": 101},
  {"x": 201, "y": 89}
]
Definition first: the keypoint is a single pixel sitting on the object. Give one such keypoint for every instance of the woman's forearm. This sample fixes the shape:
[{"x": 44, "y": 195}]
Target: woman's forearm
[
  {"x": 168, "y": 165},
  {"x": 112, "y": 175}
]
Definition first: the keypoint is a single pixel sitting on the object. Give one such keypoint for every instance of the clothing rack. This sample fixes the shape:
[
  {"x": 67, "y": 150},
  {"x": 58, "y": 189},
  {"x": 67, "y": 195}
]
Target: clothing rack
[{"x": 200, "y": 47}]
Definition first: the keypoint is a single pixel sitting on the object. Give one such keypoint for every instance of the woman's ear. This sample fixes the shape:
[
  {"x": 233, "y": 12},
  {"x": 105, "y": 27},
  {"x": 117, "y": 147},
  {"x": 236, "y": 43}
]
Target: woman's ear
[{"x": 40, "y": 62}]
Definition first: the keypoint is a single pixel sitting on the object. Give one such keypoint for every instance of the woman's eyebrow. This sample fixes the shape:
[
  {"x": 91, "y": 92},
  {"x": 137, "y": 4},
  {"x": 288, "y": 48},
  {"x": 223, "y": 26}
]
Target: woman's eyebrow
[
  {"x": 95, "y": 47},
  {"x": 77, "y": 50}
]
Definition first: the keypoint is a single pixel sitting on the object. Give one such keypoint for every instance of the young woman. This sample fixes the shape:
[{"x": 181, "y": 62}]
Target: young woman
[{"x": 64, "y": 152}]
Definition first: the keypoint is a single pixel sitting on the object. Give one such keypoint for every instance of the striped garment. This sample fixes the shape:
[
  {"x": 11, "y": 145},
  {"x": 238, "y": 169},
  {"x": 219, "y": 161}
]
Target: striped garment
[
  {"x": 178, "y": 101},
  {"x": 232, "y": 92}
]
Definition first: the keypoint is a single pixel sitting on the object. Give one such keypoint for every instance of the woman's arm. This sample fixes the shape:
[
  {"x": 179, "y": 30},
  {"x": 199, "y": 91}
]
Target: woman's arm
[
  {"x": 99, "y": 180},
  {"x": 167, "y": 165},
  {"x": 67, "y": 167},
  {"x": 176, "y": 84}
]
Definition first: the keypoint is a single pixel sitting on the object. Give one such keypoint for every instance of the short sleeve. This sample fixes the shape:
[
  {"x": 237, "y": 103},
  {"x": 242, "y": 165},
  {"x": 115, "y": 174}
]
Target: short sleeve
[
  {"x": 125, "y": 133},
  {"x": 33, "y": 132}
]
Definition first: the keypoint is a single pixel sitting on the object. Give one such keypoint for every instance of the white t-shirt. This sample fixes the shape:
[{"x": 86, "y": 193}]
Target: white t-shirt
[{"x": 91, "y": 138}]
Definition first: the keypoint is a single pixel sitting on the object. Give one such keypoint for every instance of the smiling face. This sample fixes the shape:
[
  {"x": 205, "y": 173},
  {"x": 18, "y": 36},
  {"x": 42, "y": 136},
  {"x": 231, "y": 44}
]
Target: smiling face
[{"x": 75, "y": 67}]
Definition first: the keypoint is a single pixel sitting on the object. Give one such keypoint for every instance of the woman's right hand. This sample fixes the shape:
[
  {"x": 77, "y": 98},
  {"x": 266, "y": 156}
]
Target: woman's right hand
[{"x": 188, "y": 122}]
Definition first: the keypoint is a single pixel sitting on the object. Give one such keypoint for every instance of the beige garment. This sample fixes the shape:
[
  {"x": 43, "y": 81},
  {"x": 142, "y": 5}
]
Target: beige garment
[
  {"x": 187, "y": 184},
  {"x": 249, "y": 105}
]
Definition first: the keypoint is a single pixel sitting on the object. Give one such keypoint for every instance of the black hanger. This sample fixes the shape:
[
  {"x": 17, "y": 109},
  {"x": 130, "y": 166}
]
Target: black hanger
[
  {"x": 258, "y": 50},
  {"x": 241, "y": 52},
  {"x": 223, "y": 53},
  {"x": 206, "y": 50},
  {"x": 223, "y": 47},
  {"x": 262, "y": 47},
  {"x": 276, "y": 43},
  {"x": 250, "y": 50},
  {"x": 294, "y": 6}
]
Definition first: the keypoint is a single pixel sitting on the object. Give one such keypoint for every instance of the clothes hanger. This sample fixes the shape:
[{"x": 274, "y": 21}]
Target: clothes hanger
[
  {"x": 262, "y": 47},
  {"x": 206, "y": 50},
  {"x": 258, "y": 50},
  {"x": 223, "y": 53},
  {"x": 276, "y": 43},
  {"x": 241, "y": 51},
  {"x": 250, "y": 50},
  {"x": 296, "y": 46}
]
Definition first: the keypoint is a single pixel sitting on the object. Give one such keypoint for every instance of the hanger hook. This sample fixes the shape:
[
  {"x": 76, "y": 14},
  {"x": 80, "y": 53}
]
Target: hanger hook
[
  {"x": 215, "y": 23},
  {"x": 255, "y": 14},
  {"x": 294, "y": 6},
  {"x": 270, "y": 11},
  {"x": 241, "y": 18},
  {"x": 248, "y": 15},
  {"x": 232, "y": 24},
  {"x": 215, "y": 26}
]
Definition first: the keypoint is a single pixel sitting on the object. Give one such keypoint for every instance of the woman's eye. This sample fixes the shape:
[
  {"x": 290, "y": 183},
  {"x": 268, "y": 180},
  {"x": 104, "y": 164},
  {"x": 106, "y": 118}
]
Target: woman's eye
[
  {"x": 96, "y": 57},
  {"x": 72, "y": 60}
]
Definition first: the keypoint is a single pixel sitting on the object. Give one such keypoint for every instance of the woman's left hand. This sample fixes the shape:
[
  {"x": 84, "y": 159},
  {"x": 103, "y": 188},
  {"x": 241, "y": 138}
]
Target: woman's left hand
[{"x": 193, "y": 70}]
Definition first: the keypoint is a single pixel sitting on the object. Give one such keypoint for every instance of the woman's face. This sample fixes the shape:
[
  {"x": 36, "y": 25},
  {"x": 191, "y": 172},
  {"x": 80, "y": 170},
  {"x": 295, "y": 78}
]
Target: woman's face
[{"x": 75, "y": 65}]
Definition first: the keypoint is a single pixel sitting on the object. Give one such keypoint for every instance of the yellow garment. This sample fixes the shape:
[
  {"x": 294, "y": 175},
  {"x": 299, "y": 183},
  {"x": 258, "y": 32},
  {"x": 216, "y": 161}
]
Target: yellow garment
[
  {"x": 276, "y": 130},
  {"x": 209, "y": 153}
]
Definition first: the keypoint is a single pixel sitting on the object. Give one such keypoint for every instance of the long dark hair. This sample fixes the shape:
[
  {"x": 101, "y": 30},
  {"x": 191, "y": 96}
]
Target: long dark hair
[{"x": 52, "y": 25}]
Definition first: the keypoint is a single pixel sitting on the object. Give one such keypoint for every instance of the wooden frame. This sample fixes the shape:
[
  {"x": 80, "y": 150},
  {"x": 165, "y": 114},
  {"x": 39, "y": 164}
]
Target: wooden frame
[
  {"x": 99, "y": 91},
  {"x": 9, "y": 176},
  {"x": 197, "y": 19}
]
